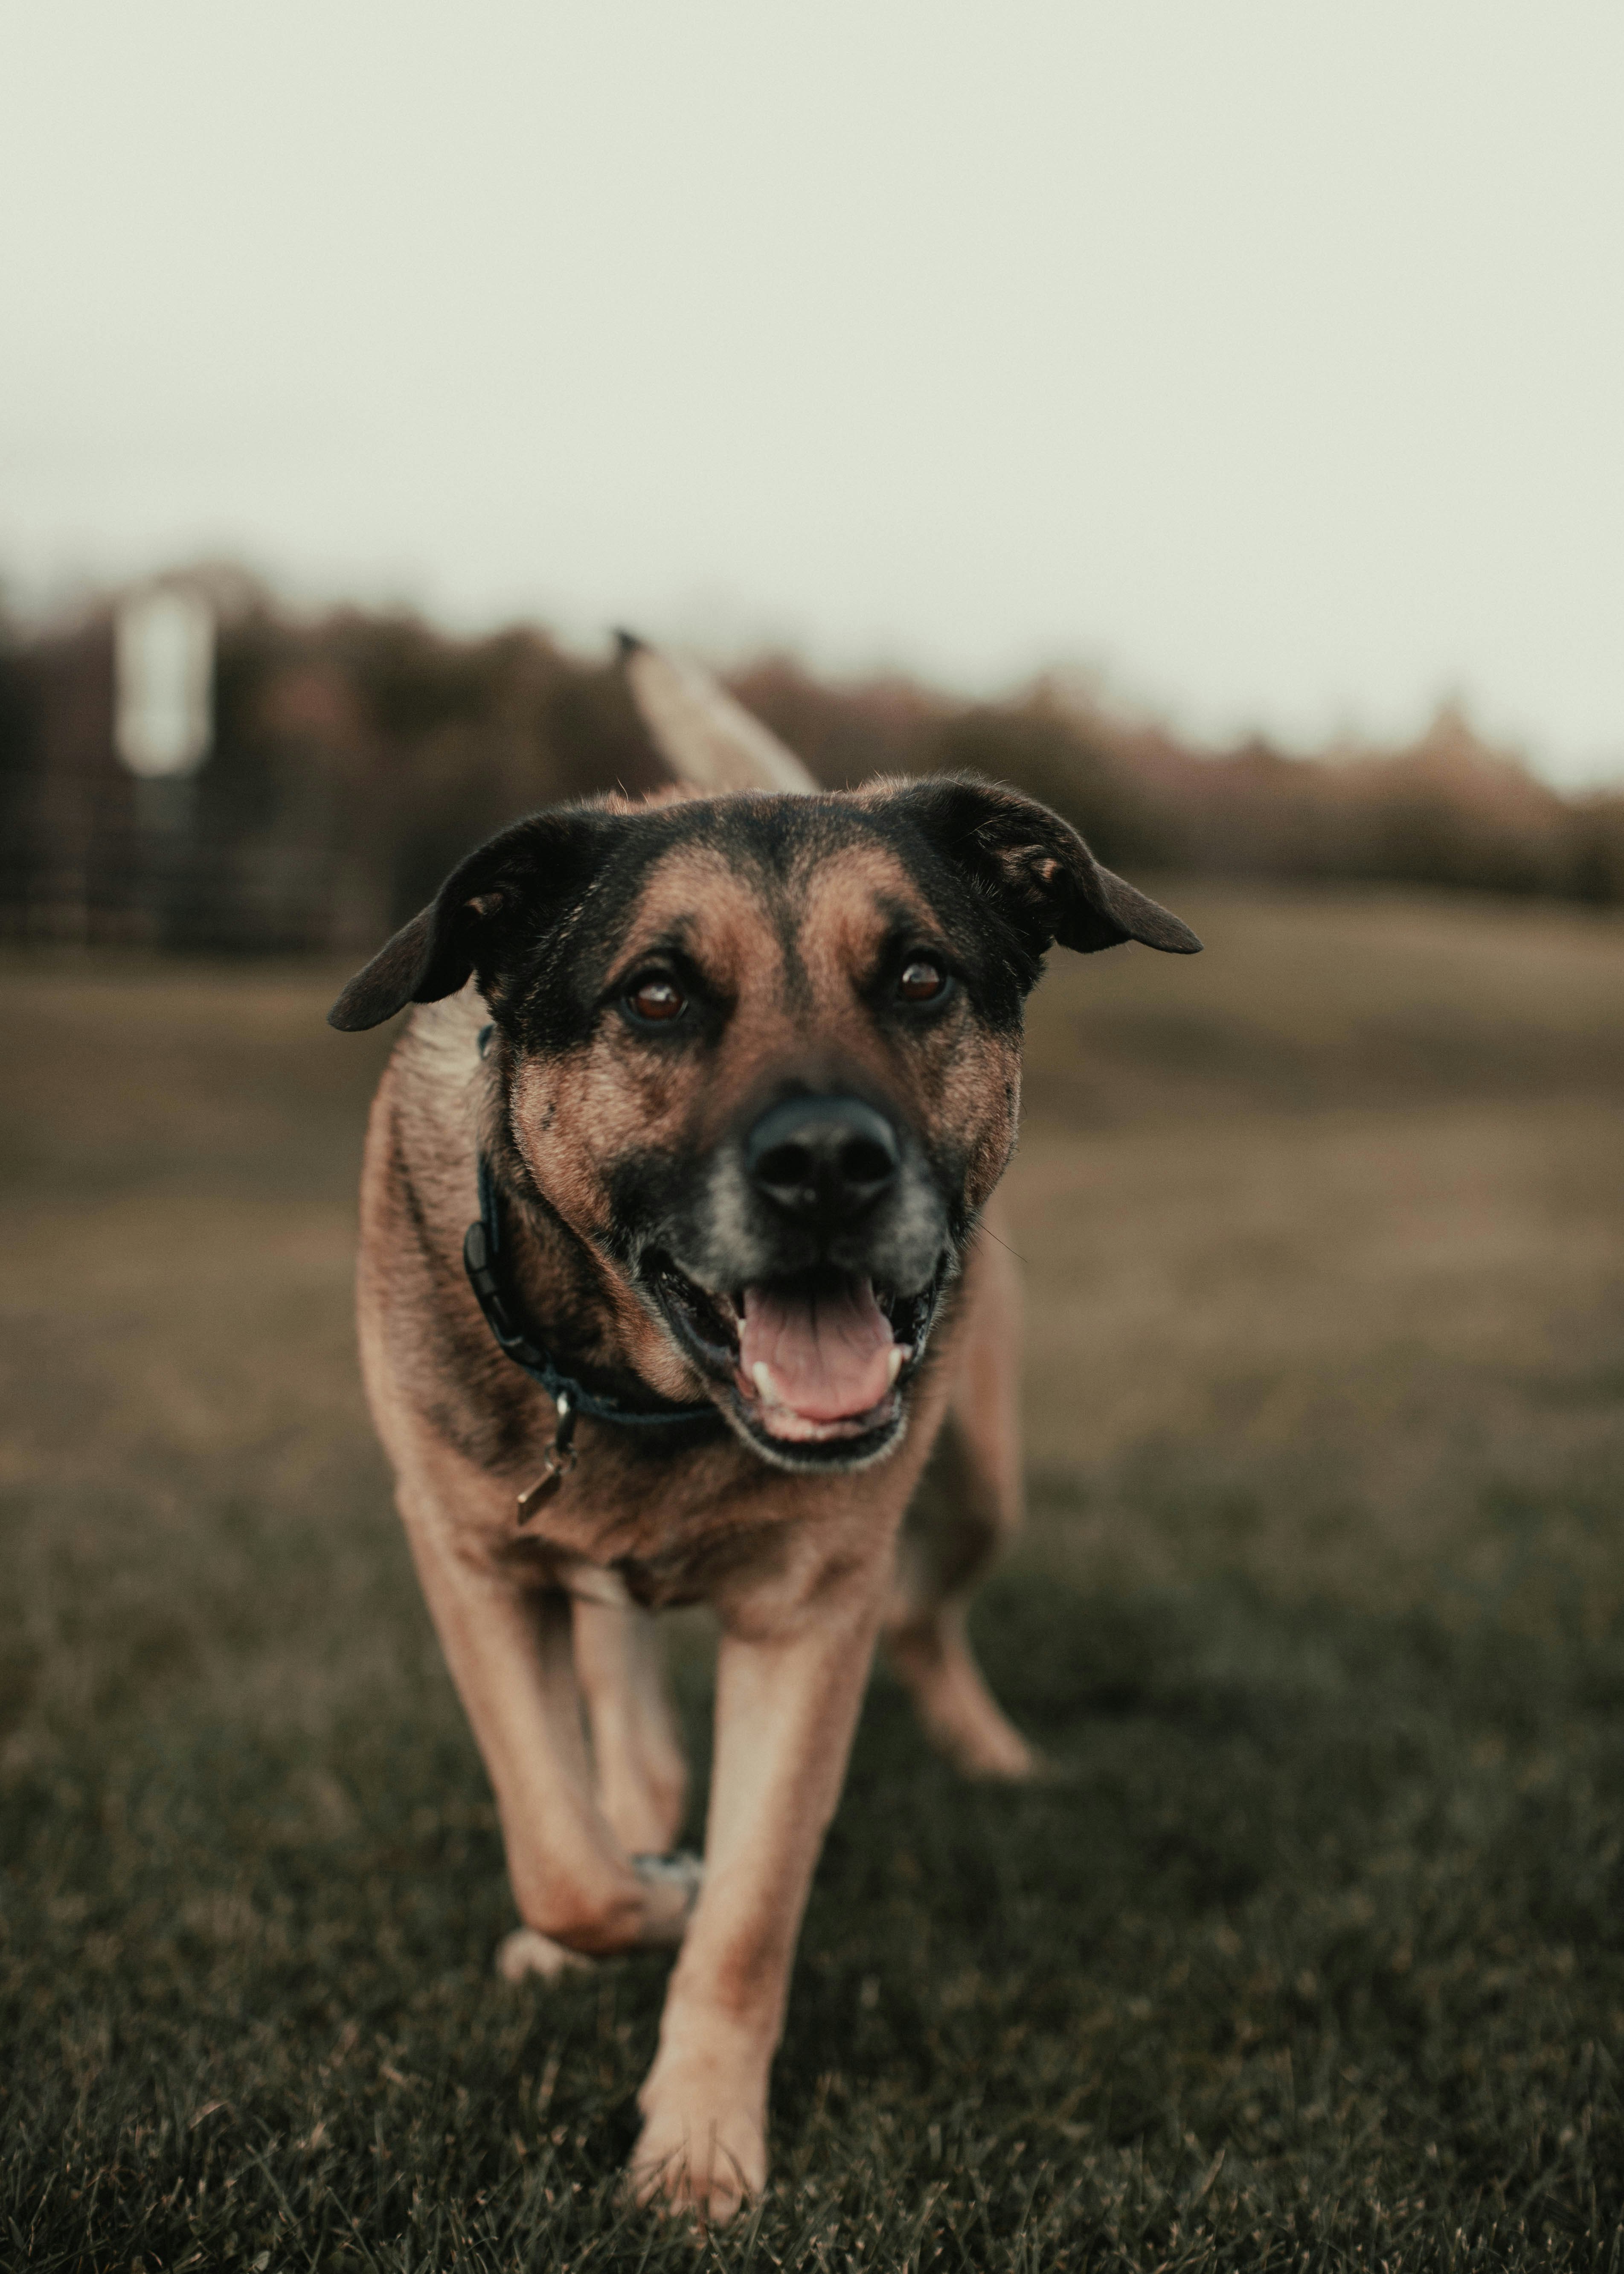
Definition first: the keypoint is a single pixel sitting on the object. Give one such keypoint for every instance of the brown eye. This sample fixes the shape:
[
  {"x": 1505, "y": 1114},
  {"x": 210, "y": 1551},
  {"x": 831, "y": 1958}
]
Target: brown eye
[
  {"x": 658, "y": 998},
  {"x": 922, "y": 981}
]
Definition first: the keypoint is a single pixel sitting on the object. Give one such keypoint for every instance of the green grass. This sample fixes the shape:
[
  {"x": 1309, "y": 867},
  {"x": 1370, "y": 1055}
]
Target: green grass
[
  {"x": 1329, "y": 1895},
  {"x": 1312, "y": 1954}
]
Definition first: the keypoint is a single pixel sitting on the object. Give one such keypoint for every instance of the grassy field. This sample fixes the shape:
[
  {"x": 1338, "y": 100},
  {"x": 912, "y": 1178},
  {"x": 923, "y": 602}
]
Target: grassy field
[{"x": 1313, "y": 1955}]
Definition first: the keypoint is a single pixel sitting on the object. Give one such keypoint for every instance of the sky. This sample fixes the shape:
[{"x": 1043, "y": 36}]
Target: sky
[{"x": 1264, "y": 358}]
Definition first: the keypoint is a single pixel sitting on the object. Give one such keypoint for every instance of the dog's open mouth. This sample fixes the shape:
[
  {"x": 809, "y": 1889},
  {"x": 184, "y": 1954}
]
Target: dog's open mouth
[{"x": 813, "y": 1360}]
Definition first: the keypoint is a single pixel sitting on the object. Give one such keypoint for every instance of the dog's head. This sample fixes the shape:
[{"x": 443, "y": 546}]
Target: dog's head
[{"x": 761, "y": 1053}]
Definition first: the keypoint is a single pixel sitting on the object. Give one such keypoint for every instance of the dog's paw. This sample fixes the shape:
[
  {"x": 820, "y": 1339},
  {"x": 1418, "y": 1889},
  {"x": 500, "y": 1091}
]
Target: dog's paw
[
  {"x": 699, "y": 2157},
  {"x": 680, "y": 1870},
  {"x": 524, "y": 1952},
  {"x": 997, "y": 1753},
  {"x": 671, "y": 1888}
]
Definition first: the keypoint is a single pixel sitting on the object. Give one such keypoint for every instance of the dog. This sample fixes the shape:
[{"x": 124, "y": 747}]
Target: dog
[{"x": 675, "y": 1286}]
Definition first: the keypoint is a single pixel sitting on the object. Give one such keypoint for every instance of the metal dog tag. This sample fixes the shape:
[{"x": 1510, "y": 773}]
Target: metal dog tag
[{"x": 560, "y": 1458}]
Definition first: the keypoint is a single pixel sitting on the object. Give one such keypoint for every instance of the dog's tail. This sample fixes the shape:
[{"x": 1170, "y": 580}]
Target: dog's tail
[{"x": 711, "y": 742}]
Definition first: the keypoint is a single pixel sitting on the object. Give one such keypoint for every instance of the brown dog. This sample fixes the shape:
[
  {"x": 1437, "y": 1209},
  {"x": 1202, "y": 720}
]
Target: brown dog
[{"x": 725, "y": 1082}]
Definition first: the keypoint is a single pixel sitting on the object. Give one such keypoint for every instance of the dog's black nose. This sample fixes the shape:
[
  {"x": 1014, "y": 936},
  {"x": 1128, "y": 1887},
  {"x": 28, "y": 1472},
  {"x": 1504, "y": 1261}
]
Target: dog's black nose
[{"x": 822, "y": 1158}]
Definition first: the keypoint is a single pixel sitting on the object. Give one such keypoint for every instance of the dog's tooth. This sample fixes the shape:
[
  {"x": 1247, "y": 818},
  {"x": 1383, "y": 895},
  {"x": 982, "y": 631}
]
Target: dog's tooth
[
  {"x": 893, "y": 1363},
  {"x": 761, "y": 1373}
]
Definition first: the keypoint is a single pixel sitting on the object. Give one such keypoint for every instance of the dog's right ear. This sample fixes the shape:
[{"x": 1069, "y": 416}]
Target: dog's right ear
[{"x": 509, "y": 883}]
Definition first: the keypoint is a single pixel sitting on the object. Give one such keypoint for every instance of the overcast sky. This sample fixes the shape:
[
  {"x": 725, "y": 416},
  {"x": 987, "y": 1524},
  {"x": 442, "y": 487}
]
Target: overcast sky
[{"x": 1266, "y": 356}]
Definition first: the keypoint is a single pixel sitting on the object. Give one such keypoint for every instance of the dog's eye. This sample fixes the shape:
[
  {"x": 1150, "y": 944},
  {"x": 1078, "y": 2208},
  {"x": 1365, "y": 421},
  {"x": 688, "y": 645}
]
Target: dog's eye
[
  {"x": 922, "y": 981},
  {"x": 655, "y": 1000}
]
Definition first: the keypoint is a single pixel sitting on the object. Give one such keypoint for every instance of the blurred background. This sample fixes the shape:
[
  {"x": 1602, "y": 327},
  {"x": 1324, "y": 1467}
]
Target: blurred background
[{"x": 1206, "y": 418}]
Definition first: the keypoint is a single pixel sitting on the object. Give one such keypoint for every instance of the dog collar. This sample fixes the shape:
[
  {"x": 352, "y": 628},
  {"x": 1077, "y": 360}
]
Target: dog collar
[{"x": 482, "y": 1259}]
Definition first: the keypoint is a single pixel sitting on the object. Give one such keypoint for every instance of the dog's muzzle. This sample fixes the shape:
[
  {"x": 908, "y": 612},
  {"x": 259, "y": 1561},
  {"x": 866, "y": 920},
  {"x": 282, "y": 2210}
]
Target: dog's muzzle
[{"x": 807, "y": 1279}]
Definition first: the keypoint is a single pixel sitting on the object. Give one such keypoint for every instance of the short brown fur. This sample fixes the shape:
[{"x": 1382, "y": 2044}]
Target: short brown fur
[{"x": 804, "y": 1570}]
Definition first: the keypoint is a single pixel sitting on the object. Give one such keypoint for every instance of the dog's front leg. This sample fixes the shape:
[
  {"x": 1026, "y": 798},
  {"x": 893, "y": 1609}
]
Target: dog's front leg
[
  {"x": 511, "y": 1655},
  {"x": 641, "y": 1775},
  {"x": 789, "y": 1687}
]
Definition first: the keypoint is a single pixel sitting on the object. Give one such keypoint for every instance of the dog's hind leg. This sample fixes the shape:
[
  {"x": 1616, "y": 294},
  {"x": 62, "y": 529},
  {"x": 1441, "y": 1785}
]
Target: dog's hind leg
[
  {"x": 968, "y": 1503},
  {"x": 641, "y": 1774}
]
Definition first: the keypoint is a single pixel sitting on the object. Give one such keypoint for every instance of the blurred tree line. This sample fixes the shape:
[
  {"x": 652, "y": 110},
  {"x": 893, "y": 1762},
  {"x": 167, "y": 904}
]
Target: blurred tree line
[{"x": 356, "y": 757}]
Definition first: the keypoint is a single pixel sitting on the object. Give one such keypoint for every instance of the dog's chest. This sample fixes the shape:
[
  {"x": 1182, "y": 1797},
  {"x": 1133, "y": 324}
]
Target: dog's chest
[{"x": 662, "y": 1530}]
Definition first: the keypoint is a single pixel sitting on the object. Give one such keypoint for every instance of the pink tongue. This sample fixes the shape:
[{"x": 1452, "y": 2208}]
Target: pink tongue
[{"x": 829, "y": 1355}]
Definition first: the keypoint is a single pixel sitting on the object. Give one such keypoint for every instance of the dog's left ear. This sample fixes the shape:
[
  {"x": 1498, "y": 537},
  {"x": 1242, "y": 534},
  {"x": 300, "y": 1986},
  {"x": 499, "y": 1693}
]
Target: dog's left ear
[
  {"x": 472, "y": 924},
  {"x": 1038, "y": 870}
]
